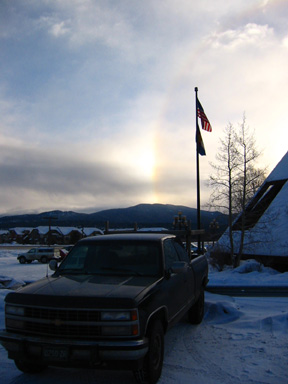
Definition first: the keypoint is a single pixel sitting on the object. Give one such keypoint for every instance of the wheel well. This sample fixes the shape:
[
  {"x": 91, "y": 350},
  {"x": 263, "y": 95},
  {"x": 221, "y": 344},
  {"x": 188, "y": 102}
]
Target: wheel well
[{"x": 160, "y": 314}]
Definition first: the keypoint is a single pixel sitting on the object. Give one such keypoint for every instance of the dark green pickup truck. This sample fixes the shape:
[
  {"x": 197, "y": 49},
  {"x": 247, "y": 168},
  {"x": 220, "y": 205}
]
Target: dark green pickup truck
[{"x": 107, "y": 305}]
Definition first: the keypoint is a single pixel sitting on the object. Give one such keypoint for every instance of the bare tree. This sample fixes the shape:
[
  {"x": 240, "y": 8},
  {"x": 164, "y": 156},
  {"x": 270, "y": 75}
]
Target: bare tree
[
  {"x": 236, "y": 178},
  {"x": 224, "y": 180},
  {"x": 249, "y": 178}
]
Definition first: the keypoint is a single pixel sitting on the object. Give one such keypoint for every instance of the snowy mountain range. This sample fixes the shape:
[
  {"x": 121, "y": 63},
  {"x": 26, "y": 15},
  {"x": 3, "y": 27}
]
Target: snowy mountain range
[{"x": 142, "y": 214}]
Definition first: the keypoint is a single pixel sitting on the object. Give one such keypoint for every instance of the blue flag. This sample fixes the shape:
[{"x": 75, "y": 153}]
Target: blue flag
[{"x": 200, "y": 143}]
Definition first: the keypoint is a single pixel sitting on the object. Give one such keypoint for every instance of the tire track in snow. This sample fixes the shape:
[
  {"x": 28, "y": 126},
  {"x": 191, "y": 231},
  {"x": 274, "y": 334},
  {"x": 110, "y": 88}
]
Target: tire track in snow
[{"x": 211, "y": 354}]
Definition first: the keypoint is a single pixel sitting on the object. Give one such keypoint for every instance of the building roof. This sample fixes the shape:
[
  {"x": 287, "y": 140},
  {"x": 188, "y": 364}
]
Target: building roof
[
  {"x": 266, "y": 217},
  {"x": 280, "y": 172}
]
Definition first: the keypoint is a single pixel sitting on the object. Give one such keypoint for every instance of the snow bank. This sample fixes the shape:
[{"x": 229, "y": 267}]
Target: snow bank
[{"x": 249, "y": 273}]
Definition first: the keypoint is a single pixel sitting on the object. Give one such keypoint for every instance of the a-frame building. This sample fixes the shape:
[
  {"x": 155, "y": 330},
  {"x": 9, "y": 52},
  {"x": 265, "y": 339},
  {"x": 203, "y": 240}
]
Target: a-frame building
[{"x": 266, "y": 221}]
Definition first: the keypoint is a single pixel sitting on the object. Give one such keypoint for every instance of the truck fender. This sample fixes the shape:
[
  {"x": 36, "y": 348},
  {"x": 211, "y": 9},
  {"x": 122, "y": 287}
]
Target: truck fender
[{"x": 159, "y": 313}]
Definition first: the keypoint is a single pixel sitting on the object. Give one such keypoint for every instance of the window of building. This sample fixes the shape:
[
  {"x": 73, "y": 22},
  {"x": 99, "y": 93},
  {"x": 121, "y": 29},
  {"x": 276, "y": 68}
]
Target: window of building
[{"x": 259, "y": 204}]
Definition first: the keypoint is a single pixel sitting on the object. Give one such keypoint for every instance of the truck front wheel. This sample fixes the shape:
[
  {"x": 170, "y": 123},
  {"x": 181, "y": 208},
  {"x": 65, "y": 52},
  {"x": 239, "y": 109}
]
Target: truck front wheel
[
  {"x": 152, "y": 368},
  {"x": 28, "y": 367}
]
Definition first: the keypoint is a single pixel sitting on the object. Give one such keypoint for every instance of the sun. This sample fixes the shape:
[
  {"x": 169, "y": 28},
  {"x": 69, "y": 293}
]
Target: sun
[{"x": 145, "y": 162}]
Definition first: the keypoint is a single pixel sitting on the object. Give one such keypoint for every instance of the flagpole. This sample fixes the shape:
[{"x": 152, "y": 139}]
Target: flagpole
[{"x": 198, "y": 175}]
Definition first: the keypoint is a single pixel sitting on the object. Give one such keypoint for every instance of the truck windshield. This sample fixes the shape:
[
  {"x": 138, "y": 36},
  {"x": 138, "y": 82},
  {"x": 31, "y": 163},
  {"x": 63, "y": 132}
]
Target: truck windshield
[{"x": 113, "y": 258}]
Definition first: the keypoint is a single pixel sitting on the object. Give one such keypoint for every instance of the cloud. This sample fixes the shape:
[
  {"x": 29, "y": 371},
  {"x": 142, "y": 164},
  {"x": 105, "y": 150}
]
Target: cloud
[
  {"x": 32, "y": 172},
  {"x": 248, "y": 35},
  {"x": 87, "y": 23},
  {"x": 59, "y": 29}
]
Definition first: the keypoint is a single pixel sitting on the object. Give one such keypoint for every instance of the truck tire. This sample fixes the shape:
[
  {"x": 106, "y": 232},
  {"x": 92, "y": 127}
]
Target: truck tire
[
  {"x": 152, "y": 367},
  {"x": 22, "y": 260},
  {"x": 28, "y": 367},
  {"x": 44, "y": 260},
  {"x": 196, "y": 312}
]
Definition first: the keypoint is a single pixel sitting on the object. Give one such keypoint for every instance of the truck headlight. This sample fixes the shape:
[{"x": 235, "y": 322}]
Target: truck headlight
[
  {"x": 116, "y": 316},
  {"x": 120, "y": 323},
  {"x": 14, "y": 310}
]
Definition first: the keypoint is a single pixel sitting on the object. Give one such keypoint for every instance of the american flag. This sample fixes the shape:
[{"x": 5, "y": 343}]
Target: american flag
[{"x": 201, "y": 114}]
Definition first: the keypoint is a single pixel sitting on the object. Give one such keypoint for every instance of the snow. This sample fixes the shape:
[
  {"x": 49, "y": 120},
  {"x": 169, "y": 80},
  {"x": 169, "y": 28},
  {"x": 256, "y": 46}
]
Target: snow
[
  {"x": 280, "y": 171},
  {"x": 249, "y": 273},
  {"x": 241, "y": 339}
]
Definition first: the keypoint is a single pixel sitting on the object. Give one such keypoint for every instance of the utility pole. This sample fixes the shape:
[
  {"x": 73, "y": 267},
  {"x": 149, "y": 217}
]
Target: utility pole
[{"x": 50, "y": 218}]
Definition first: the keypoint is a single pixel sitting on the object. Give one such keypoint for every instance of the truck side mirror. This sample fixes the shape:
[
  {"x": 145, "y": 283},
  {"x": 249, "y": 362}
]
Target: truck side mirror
[
  {"x": 53, "y": 265},
  {"x": 179, "y": 267}
]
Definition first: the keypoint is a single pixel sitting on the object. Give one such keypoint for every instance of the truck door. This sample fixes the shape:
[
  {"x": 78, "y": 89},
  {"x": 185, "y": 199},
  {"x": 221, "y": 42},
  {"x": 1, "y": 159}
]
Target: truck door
[
  {"x": 189, "y": 274},
  {"x": 175, "y": 284}
]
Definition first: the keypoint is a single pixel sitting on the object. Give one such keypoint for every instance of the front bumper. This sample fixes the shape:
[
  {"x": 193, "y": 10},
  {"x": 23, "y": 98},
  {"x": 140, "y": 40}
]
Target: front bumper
[{"x": 67, "y": 352}]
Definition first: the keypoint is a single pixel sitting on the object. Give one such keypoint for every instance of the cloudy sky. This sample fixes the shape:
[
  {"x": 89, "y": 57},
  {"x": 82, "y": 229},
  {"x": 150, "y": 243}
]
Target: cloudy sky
[{"x": 97, "y": 98}]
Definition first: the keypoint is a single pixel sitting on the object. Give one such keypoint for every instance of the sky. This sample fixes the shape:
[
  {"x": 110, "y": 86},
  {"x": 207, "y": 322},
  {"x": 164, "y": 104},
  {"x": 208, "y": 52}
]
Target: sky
[{"x": 97, "y": 99}]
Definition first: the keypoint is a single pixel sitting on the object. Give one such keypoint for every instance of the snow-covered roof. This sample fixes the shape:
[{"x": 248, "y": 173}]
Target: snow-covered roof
[
  {"x": 43, "y": 230},
  {"x": 152, "y": 229},
  {"x": 88, "y": 231},
  {"x": 67, "y": 230},
  {"x": 280, "y": 172},
  {"x": 21, "y": 230}
]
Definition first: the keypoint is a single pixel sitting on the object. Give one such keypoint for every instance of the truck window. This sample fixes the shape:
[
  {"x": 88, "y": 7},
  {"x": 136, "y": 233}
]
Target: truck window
[
  {"x": 170, "y": 254},
  {"x": 114, "y": 257},
  {"x": 76, "y": 258},
  {"x": 181, "y": 252}
]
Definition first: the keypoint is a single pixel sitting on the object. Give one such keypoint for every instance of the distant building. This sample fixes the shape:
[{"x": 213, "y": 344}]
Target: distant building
[
  {"x": 4, "y": 236},
  {"x": 45, "y": 235},
  {"x": 18, "y": 235}
]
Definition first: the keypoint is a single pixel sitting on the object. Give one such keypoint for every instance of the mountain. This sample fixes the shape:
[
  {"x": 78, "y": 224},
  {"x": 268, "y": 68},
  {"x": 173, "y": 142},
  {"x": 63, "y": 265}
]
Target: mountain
[{"x": 145, "y": 215}]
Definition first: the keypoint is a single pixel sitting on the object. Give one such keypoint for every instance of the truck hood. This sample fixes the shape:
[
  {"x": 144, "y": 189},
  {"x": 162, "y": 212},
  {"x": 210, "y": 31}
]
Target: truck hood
[{"x": 90, "y": 288}]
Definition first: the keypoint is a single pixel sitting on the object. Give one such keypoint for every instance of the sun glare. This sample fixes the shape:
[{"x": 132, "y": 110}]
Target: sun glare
[{"x": 145, "y": 163}]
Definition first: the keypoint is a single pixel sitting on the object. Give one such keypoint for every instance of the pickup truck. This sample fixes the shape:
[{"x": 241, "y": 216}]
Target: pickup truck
[
  {"x": 43, "y": 255},
  {"x": 107, "y": 305}
]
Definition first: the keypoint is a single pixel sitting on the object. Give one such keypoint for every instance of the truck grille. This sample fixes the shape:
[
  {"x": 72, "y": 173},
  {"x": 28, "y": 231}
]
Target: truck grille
[
  {"x": 62, "y": 314},
  {"x": 63, "y": 330},
  {"x": 62, "y": 322}
]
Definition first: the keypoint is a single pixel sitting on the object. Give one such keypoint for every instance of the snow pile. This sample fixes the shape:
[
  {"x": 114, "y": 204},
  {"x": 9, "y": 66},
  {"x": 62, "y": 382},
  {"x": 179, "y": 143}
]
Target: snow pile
[
  {"x": 221, "y": 312},
  {"x": 254, "y": 266},
  {"x": 10, "y": 283},
  {"x": 249, "y": 273}
]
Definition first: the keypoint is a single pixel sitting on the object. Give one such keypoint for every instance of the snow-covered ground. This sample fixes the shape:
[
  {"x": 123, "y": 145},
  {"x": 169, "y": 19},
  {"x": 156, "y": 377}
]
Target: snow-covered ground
[{"x": 241, "y": 340}]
